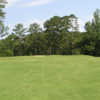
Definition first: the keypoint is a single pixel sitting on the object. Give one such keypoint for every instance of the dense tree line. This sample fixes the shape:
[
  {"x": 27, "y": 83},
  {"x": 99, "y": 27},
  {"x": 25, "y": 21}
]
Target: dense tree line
[{"x": 59, "y": 36}]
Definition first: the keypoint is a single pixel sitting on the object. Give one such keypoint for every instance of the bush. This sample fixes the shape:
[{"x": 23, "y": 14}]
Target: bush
[
  {"x": 77, "y": 51},
  {"x": 6, "y": 53}
]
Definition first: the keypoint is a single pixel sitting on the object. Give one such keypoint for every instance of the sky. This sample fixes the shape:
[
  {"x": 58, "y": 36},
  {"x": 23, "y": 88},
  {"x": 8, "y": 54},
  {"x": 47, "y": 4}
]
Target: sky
[{"x": 30, "y": 11}]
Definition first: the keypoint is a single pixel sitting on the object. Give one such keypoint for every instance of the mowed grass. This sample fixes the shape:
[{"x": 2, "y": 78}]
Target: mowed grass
[{"x": 50, "y": 78}]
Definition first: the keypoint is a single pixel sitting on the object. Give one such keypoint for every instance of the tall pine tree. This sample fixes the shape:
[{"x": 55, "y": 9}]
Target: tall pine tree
[{"x": 2, "y": 16}]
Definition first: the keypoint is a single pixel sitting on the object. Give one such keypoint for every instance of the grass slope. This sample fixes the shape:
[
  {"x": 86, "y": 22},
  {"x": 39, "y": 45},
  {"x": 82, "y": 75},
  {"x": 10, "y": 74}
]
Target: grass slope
[{"x": 50, "y": 78}]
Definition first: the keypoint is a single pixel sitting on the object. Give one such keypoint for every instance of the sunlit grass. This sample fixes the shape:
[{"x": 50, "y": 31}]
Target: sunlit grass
[{"x": 50, "y": 78}]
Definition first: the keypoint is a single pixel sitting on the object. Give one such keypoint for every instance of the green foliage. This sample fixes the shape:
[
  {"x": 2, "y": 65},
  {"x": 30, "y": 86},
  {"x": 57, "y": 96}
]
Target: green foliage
[
  {"x": 6, "y": 53},
  {"x": 92, "y": 35},
  {"x": 2, "y": 16},
  {"x": 34, "y": 28},
  {"x": 6, "y": 48},
  {"x": 60, "y": 36}
]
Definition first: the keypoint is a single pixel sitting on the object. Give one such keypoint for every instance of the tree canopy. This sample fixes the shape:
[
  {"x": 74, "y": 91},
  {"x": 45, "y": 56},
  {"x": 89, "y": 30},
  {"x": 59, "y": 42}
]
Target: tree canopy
[{"x": 59, "y": 36}]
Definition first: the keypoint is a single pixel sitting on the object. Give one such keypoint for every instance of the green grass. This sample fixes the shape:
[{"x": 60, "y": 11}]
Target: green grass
[{"x": 50, "y": 78}]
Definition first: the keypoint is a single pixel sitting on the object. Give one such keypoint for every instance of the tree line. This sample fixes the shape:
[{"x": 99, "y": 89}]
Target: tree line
[{"x": 59, "y": 36}]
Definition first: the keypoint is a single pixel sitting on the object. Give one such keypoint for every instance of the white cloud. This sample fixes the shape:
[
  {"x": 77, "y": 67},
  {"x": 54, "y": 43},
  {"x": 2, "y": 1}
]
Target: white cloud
[
  {"x": 27, "y": 23},
  {"x": 81, "y": 25},
  {"x": 40, "y": 22},
  {"x": 29, "y": 4},
  {"x": 12, "y": 2},
  {"x": 37, "y": 3}
]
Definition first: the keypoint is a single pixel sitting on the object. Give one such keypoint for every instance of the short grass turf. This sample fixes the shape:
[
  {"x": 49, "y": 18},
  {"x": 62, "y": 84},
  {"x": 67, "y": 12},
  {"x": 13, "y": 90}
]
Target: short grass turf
[{"x": 50, "y": 78}]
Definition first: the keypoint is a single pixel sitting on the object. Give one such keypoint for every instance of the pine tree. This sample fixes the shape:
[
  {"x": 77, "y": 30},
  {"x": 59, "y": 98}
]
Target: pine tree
[{"x": 2, "y": 15}]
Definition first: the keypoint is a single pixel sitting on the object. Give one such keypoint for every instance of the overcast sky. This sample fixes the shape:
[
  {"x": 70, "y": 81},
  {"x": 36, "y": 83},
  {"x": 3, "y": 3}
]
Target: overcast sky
[{"x": 28, "y": 11}]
